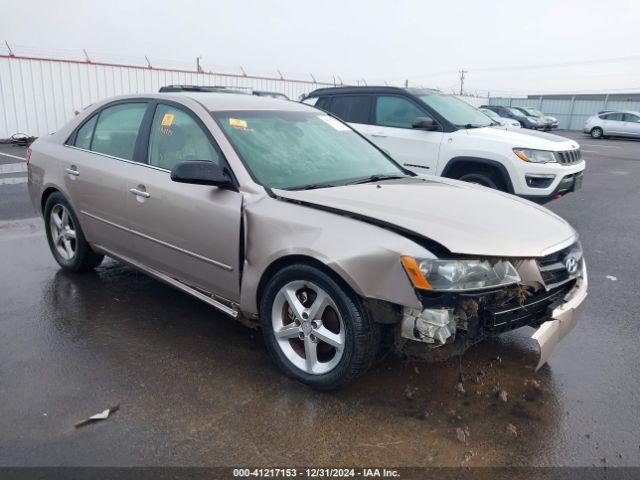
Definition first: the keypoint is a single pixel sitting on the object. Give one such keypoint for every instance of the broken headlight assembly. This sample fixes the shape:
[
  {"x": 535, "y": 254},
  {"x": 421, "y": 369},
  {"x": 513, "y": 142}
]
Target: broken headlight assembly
[
  {"x": 535, "y": 156},
  {"x": 459, "y": 275}
]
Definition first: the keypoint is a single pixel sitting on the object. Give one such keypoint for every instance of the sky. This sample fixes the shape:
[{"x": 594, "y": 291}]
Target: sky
[{"x": 506, "y": 47}]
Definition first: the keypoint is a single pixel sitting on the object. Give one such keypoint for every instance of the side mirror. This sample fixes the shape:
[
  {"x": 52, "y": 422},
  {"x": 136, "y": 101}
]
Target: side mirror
[
  {"x": 424, "y": 123},
  {"x": 202, "y": 172}
]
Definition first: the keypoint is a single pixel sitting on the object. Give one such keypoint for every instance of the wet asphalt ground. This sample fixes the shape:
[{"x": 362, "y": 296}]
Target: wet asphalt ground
[{"x": 197, "y": 389}]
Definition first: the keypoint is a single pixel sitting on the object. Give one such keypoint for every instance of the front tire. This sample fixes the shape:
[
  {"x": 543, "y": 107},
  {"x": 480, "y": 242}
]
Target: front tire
[
  {"x": 66, "y": 240},
  {"x": 485, "y": 179},
  {"x": 597, "y": 133},
  {"x": 316, "y": 329}
]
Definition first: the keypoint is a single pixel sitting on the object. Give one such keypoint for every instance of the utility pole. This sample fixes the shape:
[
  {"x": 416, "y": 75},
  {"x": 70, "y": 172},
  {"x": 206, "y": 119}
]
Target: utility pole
[
  {"x": 406, "y": 83},
  {"x": 462, "y": 74},
  {"x": 11, "y": 54},
  {"x": 198, "y": 66}
]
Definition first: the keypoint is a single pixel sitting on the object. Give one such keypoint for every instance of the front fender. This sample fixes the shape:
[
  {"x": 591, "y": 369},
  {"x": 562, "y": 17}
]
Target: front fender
[{"x": 365, "y": 256}]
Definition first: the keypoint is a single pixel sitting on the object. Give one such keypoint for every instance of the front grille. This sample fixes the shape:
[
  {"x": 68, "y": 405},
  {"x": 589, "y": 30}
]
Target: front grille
[
  {"x": 536, "y": 309},
  {"x": 569, "y": 157},
  {"x": 553, "y": 269}
]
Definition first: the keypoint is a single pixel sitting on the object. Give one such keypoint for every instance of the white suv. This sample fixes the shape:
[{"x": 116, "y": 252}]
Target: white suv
[{"x": 430, "y": 132}]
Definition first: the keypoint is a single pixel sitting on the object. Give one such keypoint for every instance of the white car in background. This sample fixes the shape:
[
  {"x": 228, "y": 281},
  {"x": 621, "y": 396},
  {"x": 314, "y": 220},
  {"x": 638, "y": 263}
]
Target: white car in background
[
  {"x": 613, "y": 124},
  {"x": 506, "y": 123}
]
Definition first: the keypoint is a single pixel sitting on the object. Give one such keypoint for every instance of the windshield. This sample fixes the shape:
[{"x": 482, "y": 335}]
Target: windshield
[
  {"x": 457, "y": 111},
  {"x": 490, "y": 113},
  {"x": 515, "y": 111},
  {"x": 288, "y": 150},
  {"x": 534, "y": 113}
]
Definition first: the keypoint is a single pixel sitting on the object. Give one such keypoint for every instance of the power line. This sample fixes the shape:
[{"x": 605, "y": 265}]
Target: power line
[{"x": 578, "y": 63}]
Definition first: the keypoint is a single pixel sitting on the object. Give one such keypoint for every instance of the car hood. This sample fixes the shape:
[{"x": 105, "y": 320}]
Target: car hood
[
  {"x": 522, "y": 138},
  {"x": 466, "y": 219}
]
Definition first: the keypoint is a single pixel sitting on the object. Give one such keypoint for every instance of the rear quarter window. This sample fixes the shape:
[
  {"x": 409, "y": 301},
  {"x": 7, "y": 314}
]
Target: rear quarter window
[{"x": 85, "y": 134}]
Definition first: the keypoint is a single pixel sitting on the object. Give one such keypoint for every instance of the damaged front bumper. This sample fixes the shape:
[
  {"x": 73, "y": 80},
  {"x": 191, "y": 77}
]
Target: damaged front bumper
[
  {"x": 458, "y": 321},
  {"x": 563, "y": 319}
]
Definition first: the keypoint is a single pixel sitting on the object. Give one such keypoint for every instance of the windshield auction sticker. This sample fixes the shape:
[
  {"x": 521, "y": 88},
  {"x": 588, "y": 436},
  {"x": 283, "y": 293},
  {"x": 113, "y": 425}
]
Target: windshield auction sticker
[
  {"x": 333, "y": 122},
  {"x": 237, "y": 123},
  {"x": 167, "y": 120}
]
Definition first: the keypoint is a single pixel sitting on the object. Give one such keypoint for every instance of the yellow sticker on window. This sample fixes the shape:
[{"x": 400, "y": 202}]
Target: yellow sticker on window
[
  {"x": 236, "y": 122},
  {"x": 167, "y": 120}
]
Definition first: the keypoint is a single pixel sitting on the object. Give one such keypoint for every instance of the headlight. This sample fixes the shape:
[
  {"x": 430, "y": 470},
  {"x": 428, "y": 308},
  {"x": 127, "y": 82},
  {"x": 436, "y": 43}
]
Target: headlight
[
  {"x": 459, "y": 275},
  {"x": 535, "y": 156}
]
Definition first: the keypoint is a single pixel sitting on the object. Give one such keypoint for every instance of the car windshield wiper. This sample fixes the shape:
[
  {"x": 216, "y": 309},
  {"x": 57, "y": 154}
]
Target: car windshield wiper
[
  {"x": 312, "y": 186},
  {"x": 377, "y": 178},
  {"x": 470, "y": 125}
]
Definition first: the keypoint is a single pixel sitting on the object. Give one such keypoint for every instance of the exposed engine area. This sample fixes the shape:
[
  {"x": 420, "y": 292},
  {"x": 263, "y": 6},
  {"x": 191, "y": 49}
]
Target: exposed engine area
[{"x": 452, "y": 322}]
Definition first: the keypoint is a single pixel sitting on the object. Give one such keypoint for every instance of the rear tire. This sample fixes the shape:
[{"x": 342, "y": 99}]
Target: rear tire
[
  {"x": 597, "y": 133},
  {"x": 66, "y": 240},
  {"x": 324, "y": 350}
]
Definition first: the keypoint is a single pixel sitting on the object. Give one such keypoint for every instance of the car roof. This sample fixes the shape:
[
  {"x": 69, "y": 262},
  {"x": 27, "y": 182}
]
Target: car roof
[
  {"x": 369, "y": 89},
  {"x": 635, "y": 112},
  {"x": 221, "y": 101}
]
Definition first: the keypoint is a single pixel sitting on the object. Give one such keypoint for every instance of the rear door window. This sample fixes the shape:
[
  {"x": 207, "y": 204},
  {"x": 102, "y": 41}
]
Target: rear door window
[
  {"x": 393, "y": 111},
  {"x": 351, "y": 108},
  {"x": 614, "y": 116},
  {"x": 117, "y": 130},
  {"x": 177, "y": 137}
]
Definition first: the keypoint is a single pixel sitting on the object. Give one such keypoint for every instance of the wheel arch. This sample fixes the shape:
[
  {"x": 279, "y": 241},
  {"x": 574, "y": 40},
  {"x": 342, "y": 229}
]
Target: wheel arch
[
  {"x": 46, "y": 194},
  {"x": 456, "y": 164},
  {"x": 301, "y": 259}
]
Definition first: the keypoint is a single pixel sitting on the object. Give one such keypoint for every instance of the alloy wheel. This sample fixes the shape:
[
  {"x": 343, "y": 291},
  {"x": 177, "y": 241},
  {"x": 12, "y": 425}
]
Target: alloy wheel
[
  {"x": 63, "y": 232},
  {"x": 308, "y": 327}
]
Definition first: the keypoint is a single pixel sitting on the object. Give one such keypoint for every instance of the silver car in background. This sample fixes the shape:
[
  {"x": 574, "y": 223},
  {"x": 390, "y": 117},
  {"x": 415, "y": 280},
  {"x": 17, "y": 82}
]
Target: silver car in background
[
  {"x": 624, "y": 123},
  {"x": 547, "y": 122},
  {"x": 288, "y": 220}
]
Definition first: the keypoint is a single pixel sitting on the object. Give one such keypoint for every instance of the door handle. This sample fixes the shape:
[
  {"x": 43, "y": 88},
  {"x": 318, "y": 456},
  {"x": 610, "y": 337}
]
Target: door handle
[
  {"x": 72, "y": 170},
  {"x": 139, "y": 193},
  {"x": 378, "y": 135}
]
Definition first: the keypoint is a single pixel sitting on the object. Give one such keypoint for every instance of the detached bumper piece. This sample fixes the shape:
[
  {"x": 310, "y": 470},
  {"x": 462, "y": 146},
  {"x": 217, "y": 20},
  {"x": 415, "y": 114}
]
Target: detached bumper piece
[{"x": 563, "y": 319}]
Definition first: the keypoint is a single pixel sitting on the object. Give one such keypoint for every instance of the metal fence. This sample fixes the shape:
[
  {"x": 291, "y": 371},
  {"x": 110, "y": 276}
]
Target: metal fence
[
  {"x": 572, "y": 110},
  {"x": 39, "y": 95}
]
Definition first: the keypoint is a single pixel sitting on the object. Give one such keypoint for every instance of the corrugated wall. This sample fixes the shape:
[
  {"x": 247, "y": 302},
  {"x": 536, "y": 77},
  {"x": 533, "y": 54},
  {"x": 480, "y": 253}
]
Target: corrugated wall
[
  {"x": 571, "y": 112},
  {"x": 37, "y": 96}
]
